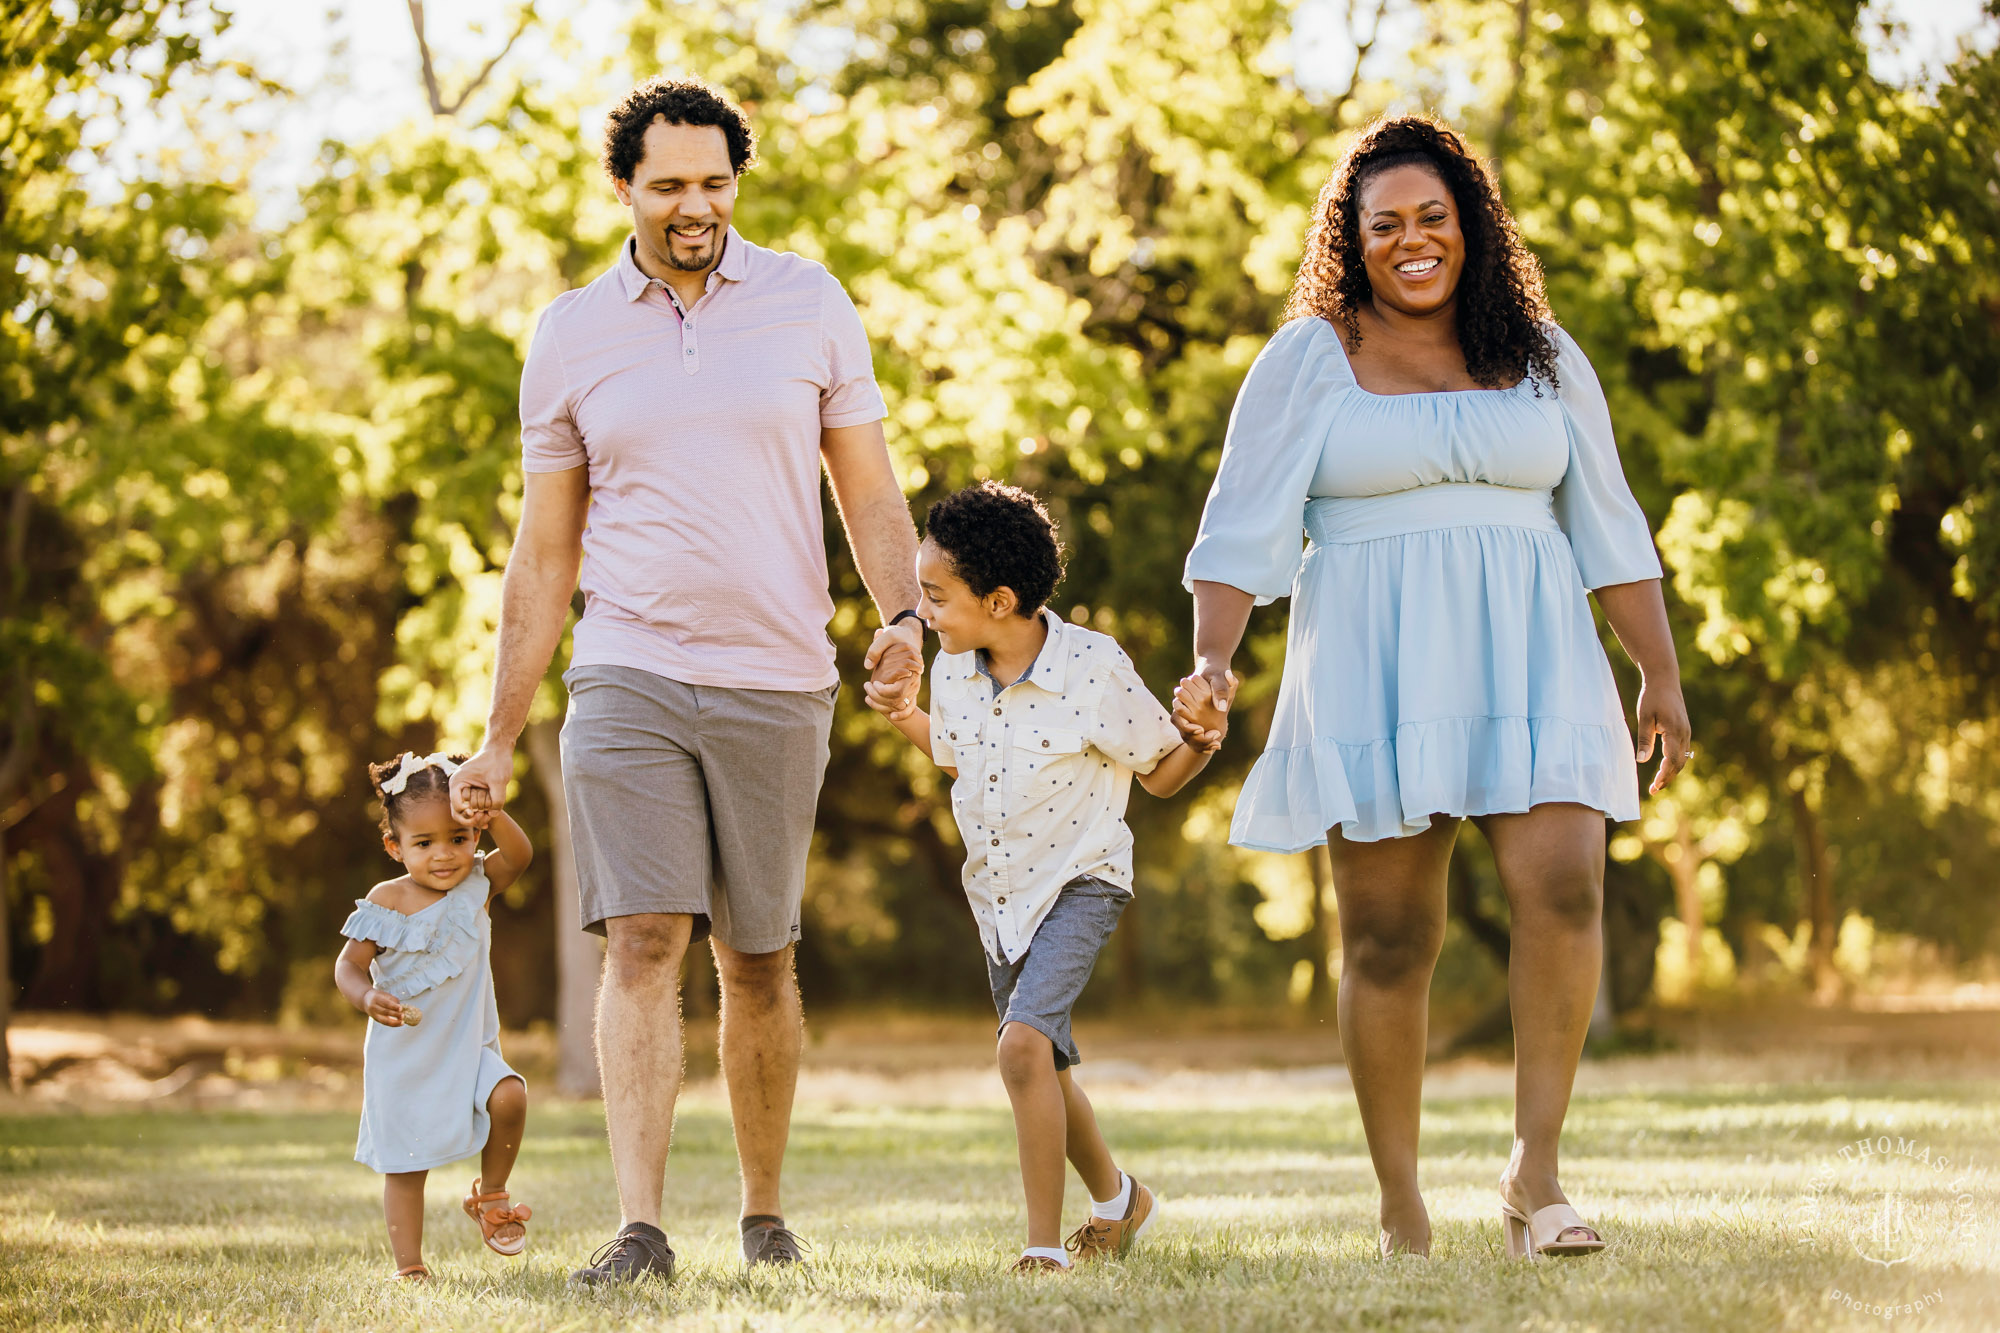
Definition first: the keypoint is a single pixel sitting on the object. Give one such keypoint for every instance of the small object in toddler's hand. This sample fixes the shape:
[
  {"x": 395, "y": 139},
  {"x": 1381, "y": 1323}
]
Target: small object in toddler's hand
[{"x": 412, "y": 1015}]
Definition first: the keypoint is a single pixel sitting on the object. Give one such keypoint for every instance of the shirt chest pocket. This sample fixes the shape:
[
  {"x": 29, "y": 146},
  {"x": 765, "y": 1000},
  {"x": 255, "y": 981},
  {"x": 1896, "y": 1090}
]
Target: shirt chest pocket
[
  {"x": 962, "y": 735},
  {"x": 1043, "y": 760}
]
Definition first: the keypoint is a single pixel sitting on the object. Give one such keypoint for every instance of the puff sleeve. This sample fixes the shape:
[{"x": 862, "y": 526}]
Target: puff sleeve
[
  {"x": 1606, "y": 528},
  {"x": 1252, "y": 533}
]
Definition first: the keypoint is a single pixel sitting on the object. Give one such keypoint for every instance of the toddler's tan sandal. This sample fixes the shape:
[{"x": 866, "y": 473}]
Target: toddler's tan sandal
[
  {"x": 490, "y": 1220},
  {"x": 414, "y": 1273},
  {"x": 1554, "y": 1232}
]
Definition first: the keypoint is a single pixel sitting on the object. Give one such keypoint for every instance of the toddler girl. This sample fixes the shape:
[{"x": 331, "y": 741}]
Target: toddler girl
[{"x": 434, "y": 1087}]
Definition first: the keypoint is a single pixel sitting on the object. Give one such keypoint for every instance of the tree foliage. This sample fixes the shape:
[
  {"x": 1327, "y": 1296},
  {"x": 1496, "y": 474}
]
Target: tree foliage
[{"x": 262, "y": 477}]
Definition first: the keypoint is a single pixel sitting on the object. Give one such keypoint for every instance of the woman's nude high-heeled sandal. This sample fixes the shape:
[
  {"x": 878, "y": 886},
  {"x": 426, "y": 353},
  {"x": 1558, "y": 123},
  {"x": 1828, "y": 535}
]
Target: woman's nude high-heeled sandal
[
  {"x": 1556, "y": 1232},
  {"x": 492, "y": 1219}
]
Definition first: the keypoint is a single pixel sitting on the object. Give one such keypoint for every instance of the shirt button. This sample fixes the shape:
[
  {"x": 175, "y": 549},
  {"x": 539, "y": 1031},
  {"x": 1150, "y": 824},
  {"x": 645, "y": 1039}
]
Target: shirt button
[
  {"x": 996, "y": 712},
  {"x": 996, "y": 842},
  {"x": 992, "y": 777},
  {"x": 1003, "y": 902},
  {"x": 1045, "y": 745}
]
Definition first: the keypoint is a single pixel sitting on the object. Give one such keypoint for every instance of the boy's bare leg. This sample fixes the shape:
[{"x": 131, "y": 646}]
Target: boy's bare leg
[
  {"x": 1088, "y": 1152},
  {"x": 1028, "y": 1068},
  {"x": 763, "y": 1032},
  {"x": 639, "y": 1052},
  {"x": 403, "y": 1209}
]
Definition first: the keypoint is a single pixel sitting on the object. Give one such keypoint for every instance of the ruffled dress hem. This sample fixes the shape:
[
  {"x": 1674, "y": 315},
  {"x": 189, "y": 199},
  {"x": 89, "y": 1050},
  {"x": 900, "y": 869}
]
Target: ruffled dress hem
[
  {"x": 492, "y": 1070},
  {"x": 1458, "y": 767}
]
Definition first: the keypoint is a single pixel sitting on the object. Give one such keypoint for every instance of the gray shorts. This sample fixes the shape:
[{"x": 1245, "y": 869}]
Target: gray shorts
[
  {"x": 1040, "y": 990},
  {"x": 693, "y": 799}
]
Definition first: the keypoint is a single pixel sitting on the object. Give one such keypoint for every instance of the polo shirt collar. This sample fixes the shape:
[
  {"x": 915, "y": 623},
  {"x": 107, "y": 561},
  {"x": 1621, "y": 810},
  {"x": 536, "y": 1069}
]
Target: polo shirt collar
[
  {"x": 1051, "y": 666},
  {"x": 632, "y": 279}
]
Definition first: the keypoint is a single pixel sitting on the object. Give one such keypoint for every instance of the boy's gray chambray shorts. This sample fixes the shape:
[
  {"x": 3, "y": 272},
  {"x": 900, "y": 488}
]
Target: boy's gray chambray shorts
[
  {"x": 1040, "y": 990},
  {"x": 693, "y": 799}
]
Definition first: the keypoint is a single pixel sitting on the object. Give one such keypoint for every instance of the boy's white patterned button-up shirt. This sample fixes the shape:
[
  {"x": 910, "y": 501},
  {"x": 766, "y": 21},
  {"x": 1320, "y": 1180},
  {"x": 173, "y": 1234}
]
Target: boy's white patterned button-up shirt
[{"x": 1044, "y": 769}]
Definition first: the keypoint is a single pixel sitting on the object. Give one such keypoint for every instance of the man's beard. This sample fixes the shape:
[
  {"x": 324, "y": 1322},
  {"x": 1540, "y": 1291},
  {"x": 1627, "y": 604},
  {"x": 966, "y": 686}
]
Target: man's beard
[{"x": 701, "y": 259}]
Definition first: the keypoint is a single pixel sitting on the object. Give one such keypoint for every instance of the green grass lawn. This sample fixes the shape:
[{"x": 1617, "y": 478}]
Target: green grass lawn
[{"x": 1727, "y": 1207}]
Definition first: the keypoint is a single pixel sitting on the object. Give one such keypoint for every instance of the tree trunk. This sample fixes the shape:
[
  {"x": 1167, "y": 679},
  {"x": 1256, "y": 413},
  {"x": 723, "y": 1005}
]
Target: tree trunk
[
  {"x": 579, "y": 954},
  {"x": 6, "y": 963},
  {"x": 1130, "y": 937},
  {"x": 1816, "y": 886},
  {"x": 1319, "y": 999},
  {"x": 1683, "y": 862}
]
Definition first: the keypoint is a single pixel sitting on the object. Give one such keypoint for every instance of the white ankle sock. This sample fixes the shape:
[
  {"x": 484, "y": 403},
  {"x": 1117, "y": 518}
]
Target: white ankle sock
[
  {"x": 1113, "y": 1208},
  {"x": 1055, "y": 1252}
]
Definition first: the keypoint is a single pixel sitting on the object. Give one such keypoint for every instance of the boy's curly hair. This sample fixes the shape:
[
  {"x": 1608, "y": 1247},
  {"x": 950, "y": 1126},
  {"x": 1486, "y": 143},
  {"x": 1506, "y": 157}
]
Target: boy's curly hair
[
  {"x": 428, "y": 784},
  {"x": 998, "y": 536},
  {"x": 1503, "y": 317},
  {"x": 678, "y": 102}
]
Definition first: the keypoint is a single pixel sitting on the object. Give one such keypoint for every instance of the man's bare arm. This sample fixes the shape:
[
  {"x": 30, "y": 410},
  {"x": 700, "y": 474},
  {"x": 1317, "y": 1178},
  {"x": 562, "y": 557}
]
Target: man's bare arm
[
  {"x": 876, "y": 515},
  {"x": 879, "y": 530},
  {"x": 534, "y": 603}
]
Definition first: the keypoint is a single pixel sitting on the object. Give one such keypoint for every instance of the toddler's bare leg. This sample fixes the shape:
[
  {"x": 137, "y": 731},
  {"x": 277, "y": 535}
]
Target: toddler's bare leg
[
  {"x": 507, "y": 1107},
  {"x": 403, "y": 1207}
]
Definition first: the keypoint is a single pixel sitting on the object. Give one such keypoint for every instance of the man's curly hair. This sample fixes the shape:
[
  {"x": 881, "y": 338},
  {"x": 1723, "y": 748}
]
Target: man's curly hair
[
  {"x": 678, "y": 102},
  {"x": 998, "y": 536},
  {"x": 1503, "y": 316}
]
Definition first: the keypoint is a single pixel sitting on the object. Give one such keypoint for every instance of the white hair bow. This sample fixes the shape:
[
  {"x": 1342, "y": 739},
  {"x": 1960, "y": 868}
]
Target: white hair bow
[{"x": 411, "y": 766}]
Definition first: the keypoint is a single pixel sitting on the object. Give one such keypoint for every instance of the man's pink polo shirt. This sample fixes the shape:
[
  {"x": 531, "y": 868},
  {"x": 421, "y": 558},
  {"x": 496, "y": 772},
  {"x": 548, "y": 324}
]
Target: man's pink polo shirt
[{"x": 704, "y": 558}]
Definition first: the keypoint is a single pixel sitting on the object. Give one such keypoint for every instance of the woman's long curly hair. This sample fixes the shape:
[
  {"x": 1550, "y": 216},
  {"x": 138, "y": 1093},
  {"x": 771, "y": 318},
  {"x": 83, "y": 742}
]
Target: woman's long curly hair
[{"x": 1504, "y": 325}]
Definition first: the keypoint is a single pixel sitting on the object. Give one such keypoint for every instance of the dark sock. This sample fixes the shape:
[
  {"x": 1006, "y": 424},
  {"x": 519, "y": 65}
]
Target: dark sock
[
  {"x": 761, "y": 1220},
  {"x": 642, "y": 1229}
]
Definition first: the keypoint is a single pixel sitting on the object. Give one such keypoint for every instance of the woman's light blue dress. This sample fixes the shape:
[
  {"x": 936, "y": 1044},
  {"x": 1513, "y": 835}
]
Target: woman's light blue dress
[
  {"x": 1442, "y": 658},
  {"x": 424, "y": 1088}
]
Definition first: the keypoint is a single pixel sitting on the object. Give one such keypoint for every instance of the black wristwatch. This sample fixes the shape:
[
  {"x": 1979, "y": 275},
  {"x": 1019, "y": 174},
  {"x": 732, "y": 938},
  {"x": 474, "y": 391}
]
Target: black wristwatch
[{"x": 901, "y": 616}]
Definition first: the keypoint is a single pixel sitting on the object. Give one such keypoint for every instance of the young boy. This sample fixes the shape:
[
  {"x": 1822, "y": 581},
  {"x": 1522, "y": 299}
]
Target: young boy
[{"x": 1041, "y": 725}]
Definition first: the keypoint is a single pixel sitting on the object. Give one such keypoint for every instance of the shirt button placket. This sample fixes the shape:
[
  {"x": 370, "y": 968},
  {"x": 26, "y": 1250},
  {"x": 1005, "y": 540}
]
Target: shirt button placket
[{"x": 690, "y": 354}]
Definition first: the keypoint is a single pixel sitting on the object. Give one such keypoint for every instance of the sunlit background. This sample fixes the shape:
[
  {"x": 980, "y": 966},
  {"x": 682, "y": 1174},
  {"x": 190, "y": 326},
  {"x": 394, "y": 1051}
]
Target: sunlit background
[{"x": 269, "y": 292}]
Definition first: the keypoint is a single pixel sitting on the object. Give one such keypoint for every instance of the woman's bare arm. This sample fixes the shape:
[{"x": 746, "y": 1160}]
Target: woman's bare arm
[
  {"x": 1221, "y": 613},
  {"x": 1637, "y": 613}
]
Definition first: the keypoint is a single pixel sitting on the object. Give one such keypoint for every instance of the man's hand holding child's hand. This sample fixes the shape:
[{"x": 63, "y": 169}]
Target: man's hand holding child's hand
[
  {"x": 1201, "y": 719},
  {"x": 892, "y": 689}
]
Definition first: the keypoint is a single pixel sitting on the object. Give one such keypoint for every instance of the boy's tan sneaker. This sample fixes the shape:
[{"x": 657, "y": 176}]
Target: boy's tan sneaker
[{"x": 1106, "y": 1238}]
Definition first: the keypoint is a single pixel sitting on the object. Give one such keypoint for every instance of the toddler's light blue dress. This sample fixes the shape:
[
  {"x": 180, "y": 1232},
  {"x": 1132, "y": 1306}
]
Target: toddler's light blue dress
[
  {"x": 424, "y": 1088},
  {"x": 1442, "y": 658}
]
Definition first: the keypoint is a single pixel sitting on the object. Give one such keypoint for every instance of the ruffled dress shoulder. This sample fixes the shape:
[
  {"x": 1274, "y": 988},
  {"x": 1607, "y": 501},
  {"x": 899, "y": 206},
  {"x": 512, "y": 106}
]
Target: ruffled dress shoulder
[
  {"x": 1438, "y": 548},
  {"x": 424, "y": 1087}
]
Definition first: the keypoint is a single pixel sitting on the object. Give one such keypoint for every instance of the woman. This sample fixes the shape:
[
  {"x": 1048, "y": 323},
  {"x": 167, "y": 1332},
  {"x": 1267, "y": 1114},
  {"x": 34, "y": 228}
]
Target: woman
[{"x": 1448, "y": 452}]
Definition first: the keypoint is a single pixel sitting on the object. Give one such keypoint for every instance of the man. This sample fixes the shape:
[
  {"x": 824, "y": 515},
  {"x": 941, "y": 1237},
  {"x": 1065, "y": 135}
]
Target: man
[{"x": 675, "y": 414}]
